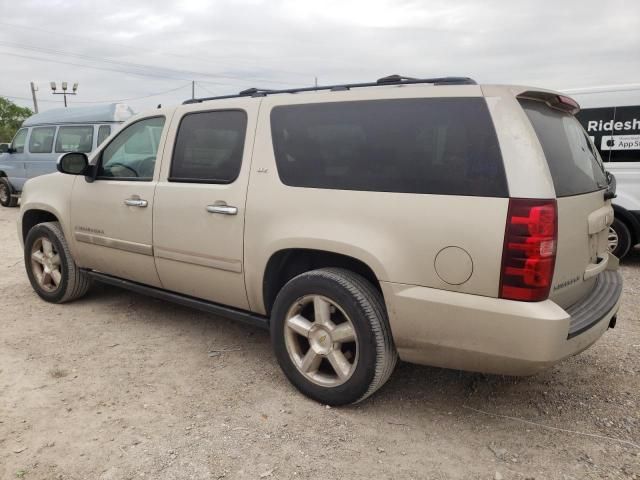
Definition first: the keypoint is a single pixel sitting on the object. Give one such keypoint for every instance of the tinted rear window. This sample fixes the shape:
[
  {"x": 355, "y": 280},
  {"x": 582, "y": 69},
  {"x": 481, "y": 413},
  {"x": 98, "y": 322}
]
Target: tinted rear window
[
  {"x": 573, "y": 162},
  {"x": 439, "y": 146}
]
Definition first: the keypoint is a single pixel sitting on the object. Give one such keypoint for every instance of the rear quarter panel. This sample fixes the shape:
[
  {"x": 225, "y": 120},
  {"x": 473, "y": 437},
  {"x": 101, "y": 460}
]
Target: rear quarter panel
[{"x": 397, "y": 235}]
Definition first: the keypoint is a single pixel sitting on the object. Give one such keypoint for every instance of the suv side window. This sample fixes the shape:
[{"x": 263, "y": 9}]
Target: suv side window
[
  {"x": 75, "y": 139},
  {"x": 131, "y": 155},
  {"x": 41, "y": 140},
  {"x": 103, "y": 132},
  {"x": 209, "y": 147},
  {"x": 19, "y": 140},
  {"x": 445, "y": 146}
]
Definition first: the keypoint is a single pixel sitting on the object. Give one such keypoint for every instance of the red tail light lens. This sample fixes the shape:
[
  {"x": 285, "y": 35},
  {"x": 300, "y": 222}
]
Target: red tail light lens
[{"x": 529, "y": 252}]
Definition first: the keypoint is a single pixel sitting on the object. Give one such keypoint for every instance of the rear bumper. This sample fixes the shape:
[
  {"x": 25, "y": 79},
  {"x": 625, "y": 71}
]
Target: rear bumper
[{"x": 491, "y": 335}]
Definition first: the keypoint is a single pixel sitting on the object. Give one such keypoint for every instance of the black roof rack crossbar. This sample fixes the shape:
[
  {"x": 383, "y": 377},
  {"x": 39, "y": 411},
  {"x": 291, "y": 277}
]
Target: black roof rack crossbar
[{"x": 389, "y": 80}]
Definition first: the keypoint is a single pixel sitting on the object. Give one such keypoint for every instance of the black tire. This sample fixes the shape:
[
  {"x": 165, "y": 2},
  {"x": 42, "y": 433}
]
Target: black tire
[
  {"x": 7, "y": 198},
  {"x": 365, "y": 308},
  {"x": 74, "y": 282},
  {"x": 624, "y": 238}
]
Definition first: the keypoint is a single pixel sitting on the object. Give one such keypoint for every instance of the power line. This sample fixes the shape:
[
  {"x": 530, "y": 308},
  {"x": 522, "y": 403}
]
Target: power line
[
  {"x": 95, "y": 67},
  {"x": 106, "y": 101},
  {"x": 129, "y": 47},
  {"x": 205, "y": 88},
  {"x": 93, "y": 58}
]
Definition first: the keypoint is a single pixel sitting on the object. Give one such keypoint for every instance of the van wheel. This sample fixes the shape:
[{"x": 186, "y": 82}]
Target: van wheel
[
  {"x": 619, "y": 238},
  {"x": 6, "y": 194},
  {"x": 331, "y": 336},
  {"x": 51, "y": 270}
]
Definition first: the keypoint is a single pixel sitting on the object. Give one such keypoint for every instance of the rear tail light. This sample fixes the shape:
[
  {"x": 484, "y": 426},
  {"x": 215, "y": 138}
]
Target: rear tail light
[{"x": 529, "y": 252}]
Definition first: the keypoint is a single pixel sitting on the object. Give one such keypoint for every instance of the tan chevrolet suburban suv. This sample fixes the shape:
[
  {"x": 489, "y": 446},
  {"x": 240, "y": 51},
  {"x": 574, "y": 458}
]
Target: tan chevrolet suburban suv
[{"x": 439, "y": 221}]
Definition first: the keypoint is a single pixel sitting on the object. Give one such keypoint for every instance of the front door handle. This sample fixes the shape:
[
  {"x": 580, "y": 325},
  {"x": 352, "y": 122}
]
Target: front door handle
[
  {"x": 135, "y": 202},
  {"x": 222, "y": 209}
]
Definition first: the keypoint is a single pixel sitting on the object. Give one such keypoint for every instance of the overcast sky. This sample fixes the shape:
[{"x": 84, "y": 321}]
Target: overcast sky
[{"x": 120, "y": 49}]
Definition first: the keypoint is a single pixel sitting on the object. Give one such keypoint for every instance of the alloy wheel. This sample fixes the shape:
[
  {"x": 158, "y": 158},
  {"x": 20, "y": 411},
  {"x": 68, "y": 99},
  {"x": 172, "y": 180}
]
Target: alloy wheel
[
  {"x": 46, "y": 264},
  {"x": 321, "y": 340},
  {"x": 4, "y": 193},
  {"x": 612, "y": 239}
]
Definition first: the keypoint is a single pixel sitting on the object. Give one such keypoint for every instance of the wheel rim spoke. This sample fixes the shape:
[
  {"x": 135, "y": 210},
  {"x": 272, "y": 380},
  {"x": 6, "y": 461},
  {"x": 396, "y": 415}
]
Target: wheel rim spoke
[
  {"x": 310, "y": 362},
  {"x": 38, "y": 256},
  {"x": 339, "y": 363},
  {"x": 322, "y": 311},
  {"x": 56, "y": 276},
  {"x": 613, "y": 239},
  {"x": 300, "y": 325},
  {"x": 47, "y": 247},
  {"x": 343, "y": 333},
  {"x": 55, "y": 260}
]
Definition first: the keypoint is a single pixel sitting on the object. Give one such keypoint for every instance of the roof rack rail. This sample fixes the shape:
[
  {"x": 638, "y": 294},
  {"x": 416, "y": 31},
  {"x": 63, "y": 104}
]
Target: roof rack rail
[{"x": 384, "y": 81}]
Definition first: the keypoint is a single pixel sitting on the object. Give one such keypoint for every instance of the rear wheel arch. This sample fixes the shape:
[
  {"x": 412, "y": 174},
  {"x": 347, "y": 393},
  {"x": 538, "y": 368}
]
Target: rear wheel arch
[
  {"x": 33, "y": 217},
  {"x": 286, "y": 264}
]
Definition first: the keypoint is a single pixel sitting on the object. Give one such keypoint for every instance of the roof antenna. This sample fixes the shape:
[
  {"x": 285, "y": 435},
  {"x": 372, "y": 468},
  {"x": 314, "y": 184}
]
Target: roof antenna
[{"x": 159, "y": 105}]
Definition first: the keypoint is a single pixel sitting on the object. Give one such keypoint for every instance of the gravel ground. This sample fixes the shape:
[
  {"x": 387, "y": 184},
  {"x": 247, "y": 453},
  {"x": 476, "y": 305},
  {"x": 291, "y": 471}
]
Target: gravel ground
[{"x": 120, "y": 386}]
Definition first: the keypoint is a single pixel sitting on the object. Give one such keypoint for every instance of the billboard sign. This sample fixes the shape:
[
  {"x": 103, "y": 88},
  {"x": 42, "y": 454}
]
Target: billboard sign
[{"x": 615, "y": 132}]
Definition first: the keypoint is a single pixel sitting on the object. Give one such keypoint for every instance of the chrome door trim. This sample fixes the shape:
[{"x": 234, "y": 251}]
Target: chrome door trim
[
  {"x": 127, "y": 246},
  {"x": 210, "y": 261}
]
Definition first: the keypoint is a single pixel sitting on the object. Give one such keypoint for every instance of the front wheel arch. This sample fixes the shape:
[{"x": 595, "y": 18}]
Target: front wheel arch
[{"x": 33, "y": 217}]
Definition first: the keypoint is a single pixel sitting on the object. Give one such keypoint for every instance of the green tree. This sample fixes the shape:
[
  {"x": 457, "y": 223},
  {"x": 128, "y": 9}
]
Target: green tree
[{"x": 11, "y": 117}]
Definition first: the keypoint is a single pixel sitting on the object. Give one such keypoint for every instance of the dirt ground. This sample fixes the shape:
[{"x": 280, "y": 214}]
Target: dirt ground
[{"x": 121, "y": 386}]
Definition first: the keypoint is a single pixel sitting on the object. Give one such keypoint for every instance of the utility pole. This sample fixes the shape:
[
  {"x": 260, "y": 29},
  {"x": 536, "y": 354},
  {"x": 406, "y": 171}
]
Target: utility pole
[
  {"x": 33, "y": 94},
  {"x": 193, "y": 89}
]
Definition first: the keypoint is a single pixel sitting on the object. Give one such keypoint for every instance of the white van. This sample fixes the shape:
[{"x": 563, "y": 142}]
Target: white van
[
  {"x": 615, "y": 131},
  {"x": 45, "y": 136}
]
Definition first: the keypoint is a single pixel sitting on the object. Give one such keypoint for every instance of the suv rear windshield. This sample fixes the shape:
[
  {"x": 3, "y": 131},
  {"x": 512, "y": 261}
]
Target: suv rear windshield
[
  {"x": 434, "y": 145},
  {"x": 573, "y": 162}
]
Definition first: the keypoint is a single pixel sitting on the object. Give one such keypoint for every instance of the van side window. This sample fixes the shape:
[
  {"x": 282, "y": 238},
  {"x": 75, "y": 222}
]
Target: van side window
[
  {"x": 209, "y": 147},
  {"x": 131, "y": 155},
  {"x": 41, "y": 140},
  {"x": 75, "y": 139},
  {"x": 19, "y": 140},
  {"x": 103, "y": 132},
  {"x": 445, "y": 146}
]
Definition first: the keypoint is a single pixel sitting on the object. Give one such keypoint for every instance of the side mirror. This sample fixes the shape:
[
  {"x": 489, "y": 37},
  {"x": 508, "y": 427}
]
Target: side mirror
[
  {"x": 73, "y": 163},
  {"x": 4, "y": 147}
]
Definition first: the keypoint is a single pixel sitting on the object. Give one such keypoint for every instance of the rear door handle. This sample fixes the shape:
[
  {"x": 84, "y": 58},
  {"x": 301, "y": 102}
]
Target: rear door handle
[
  {"x": 135, "y": 202},
  {"x": 222, "y": 209}
]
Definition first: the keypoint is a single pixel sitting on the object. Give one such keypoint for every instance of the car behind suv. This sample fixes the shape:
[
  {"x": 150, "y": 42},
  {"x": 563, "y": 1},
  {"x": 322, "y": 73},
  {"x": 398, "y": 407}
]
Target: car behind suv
[
  {"x": 36, "y": 146},
  {"x": 438, "y": 221}
]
